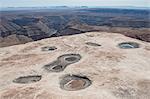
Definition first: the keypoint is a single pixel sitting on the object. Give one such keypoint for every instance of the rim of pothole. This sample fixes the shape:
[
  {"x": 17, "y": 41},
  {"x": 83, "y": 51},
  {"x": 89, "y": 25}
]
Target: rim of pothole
[
  {"x": 69, "y": 58},
  {"x": 55, "y": 66}
]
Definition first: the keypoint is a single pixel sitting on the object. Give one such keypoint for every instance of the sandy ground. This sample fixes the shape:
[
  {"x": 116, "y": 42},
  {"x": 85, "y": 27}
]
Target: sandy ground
[{"x": 114, "y": 73}]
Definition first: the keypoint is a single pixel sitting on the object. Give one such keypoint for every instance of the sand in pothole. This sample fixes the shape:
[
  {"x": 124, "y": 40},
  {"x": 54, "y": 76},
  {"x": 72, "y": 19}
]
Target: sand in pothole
[{"x": 74, "y": 83}]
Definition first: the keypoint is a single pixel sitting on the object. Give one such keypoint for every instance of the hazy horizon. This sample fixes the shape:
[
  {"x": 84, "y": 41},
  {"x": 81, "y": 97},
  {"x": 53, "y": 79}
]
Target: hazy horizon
[{"x": 44, "y": 3}]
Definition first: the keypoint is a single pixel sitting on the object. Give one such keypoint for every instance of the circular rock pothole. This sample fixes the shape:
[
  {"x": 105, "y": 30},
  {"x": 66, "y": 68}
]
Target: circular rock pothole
[
  {"x": 48, "y": 48},
  {"x": 55, "y": 66},
  {"x": 128, "y": 45},
  {"x": 28, "y": 79},
  {"x": 74, "y": 83},
  {"x": 92, "y": 44},
  {"x": 69, "y": 58}
]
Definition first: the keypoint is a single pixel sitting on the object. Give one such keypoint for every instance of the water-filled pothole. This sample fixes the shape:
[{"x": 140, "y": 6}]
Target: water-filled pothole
[
  {"x": 69, "y": 58},
  {"x": 74, "y": 82},
  {"x": 55, "y": 66},
  {"x": 48, "y": 48},
  {"x": 128, "y": 45},
  {"x": 28, "y": 79},
  {"x": 92, "y": 44}
]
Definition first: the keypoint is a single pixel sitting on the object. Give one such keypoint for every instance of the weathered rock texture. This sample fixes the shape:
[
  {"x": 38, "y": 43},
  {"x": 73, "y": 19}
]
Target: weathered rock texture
[{"x": 114, "y": 73}]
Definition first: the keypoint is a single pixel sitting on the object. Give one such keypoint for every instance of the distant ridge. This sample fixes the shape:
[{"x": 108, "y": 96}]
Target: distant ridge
[
  {"x": 35, "y": 8},
  {"x": 123, "y": 7},
  {"x": 66, "y": 7}
]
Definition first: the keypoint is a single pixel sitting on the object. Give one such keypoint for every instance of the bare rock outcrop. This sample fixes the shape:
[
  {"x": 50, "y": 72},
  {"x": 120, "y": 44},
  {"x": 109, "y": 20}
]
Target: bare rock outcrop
[{"x": 96, "y": 65}]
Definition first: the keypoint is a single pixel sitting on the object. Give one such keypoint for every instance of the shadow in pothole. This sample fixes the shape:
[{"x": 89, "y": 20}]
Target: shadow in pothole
[
  {"x": 92, "y": 44},
  {"x": 55, "y": 66},
  {"x": 48, "y": 48},
  {"x": 27, "y": 79}
]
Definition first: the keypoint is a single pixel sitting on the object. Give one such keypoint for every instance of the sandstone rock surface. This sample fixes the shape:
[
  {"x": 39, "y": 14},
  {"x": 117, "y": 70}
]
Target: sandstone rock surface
[{"x": 114, "y": 73}]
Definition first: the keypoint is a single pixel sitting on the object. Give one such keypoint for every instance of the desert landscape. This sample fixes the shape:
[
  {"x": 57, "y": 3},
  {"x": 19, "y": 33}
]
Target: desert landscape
[
  {"x": 74, "y": 52},
  {"x": 19, "y": 27}
]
